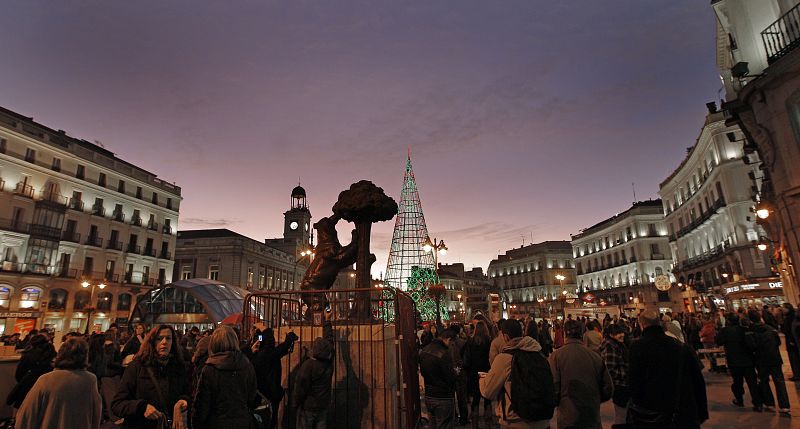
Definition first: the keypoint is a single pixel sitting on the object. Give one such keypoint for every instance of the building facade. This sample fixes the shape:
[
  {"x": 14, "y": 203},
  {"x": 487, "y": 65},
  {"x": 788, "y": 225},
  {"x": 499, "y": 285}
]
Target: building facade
[
  {"x": 759, "y": 62},
  {"x": 82, "y": 232},
  {"x": 526, "y": 280},
  {"x": 467, "y": 292},
  {"x": 617, "y": 260},
  {"x": 232, "y": 258},
  {"x": 708, "y": 204}
]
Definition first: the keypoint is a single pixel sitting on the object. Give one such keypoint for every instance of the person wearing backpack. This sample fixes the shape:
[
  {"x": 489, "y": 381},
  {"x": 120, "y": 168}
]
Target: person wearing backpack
[
  {"x": 581, "y": 381},
  {"x": 768, "y": 362},
  {"x": 521, "y": 383}
]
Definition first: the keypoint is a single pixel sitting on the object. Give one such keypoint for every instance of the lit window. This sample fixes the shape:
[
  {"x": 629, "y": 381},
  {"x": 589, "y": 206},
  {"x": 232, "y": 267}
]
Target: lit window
[{"x": 213, "y": 272}]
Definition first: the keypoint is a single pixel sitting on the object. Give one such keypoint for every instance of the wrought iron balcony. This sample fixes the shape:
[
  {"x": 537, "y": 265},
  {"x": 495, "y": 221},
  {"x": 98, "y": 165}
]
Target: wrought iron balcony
[
  {"x": 94, "y": 241},
  {"x": 71, "y": 236},
  {"x": 76, "y": 204},
  {"x": 53, "y": 197},
  {"x": 149, "y": 251},
  {"x": 15, "y": 225},
  {"x": 44, "y": 231},
  {"x": 132, "y": 248},
  {"x": 24, "y": 190},
  {"x": 783, "y": 35},
  {"x": 114, "y": 245},
  {"x": 118, "y": 216},
  {"x": 153, "y": 226},
  {"x": 137, "y": 221},
  {"x": 98, "y": 210},
  {"x": 167, "y": 229},
  {"x": 165, "y": 255}
]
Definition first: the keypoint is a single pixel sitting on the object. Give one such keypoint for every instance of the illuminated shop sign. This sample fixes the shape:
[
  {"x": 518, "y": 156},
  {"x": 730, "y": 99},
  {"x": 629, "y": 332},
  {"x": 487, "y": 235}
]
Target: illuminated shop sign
[{"x": 753, "y": 286}]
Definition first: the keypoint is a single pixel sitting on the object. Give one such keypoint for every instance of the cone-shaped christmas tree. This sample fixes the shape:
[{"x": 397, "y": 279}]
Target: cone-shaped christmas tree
[{"x": 411, "y": 268}]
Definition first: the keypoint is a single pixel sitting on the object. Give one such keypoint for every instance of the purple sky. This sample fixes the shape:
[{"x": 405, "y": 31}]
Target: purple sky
[{"x": 527, "y": 117}]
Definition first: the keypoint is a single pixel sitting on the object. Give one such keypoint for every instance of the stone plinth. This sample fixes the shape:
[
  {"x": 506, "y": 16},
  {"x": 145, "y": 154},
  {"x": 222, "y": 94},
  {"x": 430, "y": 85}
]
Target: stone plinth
[{"x": 365, "y": 378}]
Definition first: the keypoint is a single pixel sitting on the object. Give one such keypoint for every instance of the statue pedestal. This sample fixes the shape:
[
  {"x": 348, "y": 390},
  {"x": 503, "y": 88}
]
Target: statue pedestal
[{"x": 365, "y": 376}]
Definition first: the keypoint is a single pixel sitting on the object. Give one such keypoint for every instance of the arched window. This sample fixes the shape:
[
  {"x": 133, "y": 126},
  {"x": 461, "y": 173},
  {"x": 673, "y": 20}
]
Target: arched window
[
  {"x": 124, "y": 302},
  {"x": 5, "y": 296},
  {"x": 104, "y": 300},
  {"x": 57, "y": 300},
  {"x": 659, "y": 271},
  {"x": 81, "y": 300},
  {"x": 29, "y": 297}
]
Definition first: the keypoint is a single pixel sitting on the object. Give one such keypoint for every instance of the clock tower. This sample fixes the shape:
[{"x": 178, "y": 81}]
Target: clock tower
[{"x": 297, "y": 220}]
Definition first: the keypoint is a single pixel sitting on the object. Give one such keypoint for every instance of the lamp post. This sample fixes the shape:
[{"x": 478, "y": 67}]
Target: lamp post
[
  {"x": 437, "y": 289},
  {"x": 461, "y": 308},
  {"x": 303, "y": 254},
  {"x": 85, "y": 284},
  {"x": 563, "y": 298}
]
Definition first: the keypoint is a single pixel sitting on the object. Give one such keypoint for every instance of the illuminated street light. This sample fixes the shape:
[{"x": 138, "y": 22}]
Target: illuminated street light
[{"x": 437, "y": 248}]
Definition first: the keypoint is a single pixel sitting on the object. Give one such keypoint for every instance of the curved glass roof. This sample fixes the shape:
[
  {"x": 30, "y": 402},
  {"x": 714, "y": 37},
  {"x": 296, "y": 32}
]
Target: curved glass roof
[{"x": 193, "y": 296}]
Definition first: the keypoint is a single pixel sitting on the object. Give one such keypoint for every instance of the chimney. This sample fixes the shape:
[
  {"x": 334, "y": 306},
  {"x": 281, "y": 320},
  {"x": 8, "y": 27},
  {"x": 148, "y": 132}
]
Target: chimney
[{"x": 712, "y": 107}]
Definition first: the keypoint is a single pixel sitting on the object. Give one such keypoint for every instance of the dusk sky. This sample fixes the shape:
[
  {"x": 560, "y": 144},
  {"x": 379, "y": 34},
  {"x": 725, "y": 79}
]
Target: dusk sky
[{"x": 523, "y": 117}]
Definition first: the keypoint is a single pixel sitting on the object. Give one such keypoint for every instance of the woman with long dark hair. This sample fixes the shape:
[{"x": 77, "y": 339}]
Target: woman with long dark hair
[
  {"x": 155, "y": 390},
  {"x": 477, "y": 360},
  {"x": 37, "y": 359}
]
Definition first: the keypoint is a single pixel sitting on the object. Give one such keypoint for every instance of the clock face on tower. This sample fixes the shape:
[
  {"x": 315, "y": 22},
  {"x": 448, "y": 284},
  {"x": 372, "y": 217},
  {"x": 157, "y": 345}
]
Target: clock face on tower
[{"x": 293, "y": 225}]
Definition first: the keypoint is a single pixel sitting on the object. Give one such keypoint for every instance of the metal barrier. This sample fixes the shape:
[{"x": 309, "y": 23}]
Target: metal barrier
[{"x": 375, "y": 377}]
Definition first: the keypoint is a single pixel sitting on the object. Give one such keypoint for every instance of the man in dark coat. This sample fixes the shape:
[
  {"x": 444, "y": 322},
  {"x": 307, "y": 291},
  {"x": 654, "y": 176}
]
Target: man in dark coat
[
  {"x": 267, "y": 362},
  {"x": 740, "y": 361},
  {"x": 436, "y": 367},
  {"x": 665, "y": 377},
  {"x": 312, "y": 395},
  {"x": 792, "y": 350},
  {"x": 457, "y": 356},
  {"x": 768, "y": 362}
]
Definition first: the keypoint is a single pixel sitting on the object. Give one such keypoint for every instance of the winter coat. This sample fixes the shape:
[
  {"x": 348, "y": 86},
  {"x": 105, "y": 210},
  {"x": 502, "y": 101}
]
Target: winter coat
[
  {"x": 653, "y": 374},
  {"x": 767, "y": 346},
  {"x": 226, "y": 393},
  {"x": 592, "y": 339},
  {"x": 708, "y": 333},
  {"x": 788, "y": 332},
  {"x": 558, "y": 341},
  {"x": 477, "y": 356},
  {"x": 737, "y": 353},
  {"x": 582, "y": 383},
  {"x": 132, "y": 346},
  {"x": 32, "y": 364},
  {"x": 313, "y": 382},
  {"x": 267, "y": 364},
  {"x": 615, "y": 357},
  {"x": 62, "y": 399},
  {"x": 498, "y": 382},
  {"x": 436, "y": 367},
  {"x": 136, "y": 391}
]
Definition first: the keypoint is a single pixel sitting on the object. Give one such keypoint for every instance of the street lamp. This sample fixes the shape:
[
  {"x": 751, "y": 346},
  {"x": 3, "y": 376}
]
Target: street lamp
[
  {"x": 561, "y": 278},
  {"x": 303, "y": 253},
  {"x": 436, "y": 247},
  {"x": 85, "y": 284}
]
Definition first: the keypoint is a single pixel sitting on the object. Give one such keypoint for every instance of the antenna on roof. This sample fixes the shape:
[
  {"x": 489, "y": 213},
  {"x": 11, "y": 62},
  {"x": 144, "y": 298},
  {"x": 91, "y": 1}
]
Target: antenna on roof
[
  {"x": 523, "y": 239},
  {"x": 633, "y": 185}
]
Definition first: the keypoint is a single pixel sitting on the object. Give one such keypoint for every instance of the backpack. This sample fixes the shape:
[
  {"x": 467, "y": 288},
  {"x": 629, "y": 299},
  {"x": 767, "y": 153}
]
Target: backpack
[{"x": 533, "y": 392}]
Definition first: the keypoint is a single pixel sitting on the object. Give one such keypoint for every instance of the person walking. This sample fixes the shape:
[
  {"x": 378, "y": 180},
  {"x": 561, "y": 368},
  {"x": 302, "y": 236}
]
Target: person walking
[
  {"x": 66, "y": 398},
  {"x": 312, "y": 395},
  {"x": 615, "y": 356},
  {"x": 226, "y": 392},
  {"x": 155, "y": 388},
  {"x": 437, "y": 370},
  {"x": 581, "y": 380},
  {"x": 666, "y": 385},
  {"x": 498, "y": 385},
  {"x": 707, "y": 335},
  {"x": 477, "y": 358},
  {"x": 768, "y": 363},
  {"x": 456, "y": 349},
  {"x": 741, "y": 364},
  {"x": 558, "y": 334}
]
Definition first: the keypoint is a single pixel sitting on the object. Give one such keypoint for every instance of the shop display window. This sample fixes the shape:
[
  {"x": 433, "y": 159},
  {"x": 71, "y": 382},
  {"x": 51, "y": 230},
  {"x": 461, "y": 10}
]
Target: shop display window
[
  {"x": 29, "y": 298},
  {"x": 5, "y": 297}
]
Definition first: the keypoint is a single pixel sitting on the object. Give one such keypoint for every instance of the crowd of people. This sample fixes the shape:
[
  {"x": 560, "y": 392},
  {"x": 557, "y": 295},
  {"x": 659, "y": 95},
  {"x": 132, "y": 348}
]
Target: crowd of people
[
  {"x": 163, "y": 379},
  {"x": 649, "y": 366}
]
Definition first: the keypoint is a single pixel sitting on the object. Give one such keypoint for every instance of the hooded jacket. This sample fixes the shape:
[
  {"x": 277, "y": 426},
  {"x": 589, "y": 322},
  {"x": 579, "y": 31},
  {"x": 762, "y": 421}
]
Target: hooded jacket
[
  {"x": 313, "y": 392},
  {"x": 497, "y": 381},
  {"x": 226, "y": 392}
]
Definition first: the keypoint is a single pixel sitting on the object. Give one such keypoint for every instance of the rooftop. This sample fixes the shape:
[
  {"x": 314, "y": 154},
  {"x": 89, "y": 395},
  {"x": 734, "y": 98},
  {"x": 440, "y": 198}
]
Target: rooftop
[{"x": 635, "y": 209}]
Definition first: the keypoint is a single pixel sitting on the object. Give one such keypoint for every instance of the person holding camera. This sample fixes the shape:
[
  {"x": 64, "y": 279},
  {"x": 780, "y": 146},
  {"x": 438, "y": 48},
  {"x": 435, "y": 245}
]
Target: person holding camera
[{"x": 267, "y": 362}]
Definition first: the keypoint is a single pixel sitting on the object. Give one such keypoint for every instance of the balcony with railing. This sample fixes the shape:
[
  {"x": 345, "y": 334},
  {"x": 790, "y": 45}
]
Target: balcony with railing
[
  {"x": 71, "y": 236},
  {"x": 152, "y": 226},
  {"x": 53, "y": 197},
  {"x": 709, "y": 256},
  {"x": 702, "y": 219},
  {"x": 24, "y": 190},
  {"x": 114, "y": 245},
  {"x": 98, "y": 210},
  {"x": 165, "y": 255},
  {"x": 136, "y": 221},
  {"x": 783, "y": 35},
  {"x": 118, "y": 216},
  {"x": 15, "y": 225},
  {"x": 167, "y": 229},
  {"x": 149, "y": 251},
  {"x": 132, "y": 248},
  {"x": 76, "y": 204},
  {"x": 94, "y": 241},
  {"x": 45, "y": 231}
]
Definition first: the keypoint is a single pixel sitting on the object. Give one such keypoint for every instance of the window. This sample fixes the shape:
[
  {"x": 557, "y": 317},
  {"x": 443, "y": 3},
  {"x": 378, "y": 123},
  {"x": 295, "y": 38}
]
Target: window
[
  {"x": 97, "y": 208},
  {"x": 110, "y": 270},
  {"x": 654, "y": 249},
  {"x": 121, "y": 187},
  {"x": 104, "y": 300},
  {"x": 139, "y": 192},
  {"x": 81, "y": 300},
  {"x": 155, "y": 198},
  {"x": 80, "y": 172},
  {"x": 146, "y": 274},
  {"x": 792, "y": 107},
  {"x": 101, "y": 180},
  {"x": 5, "y": 297},
  {"x": 651, "y": 230},
  {"x": 2, "y": 145},
  {"x": 57, "y": 300},
  {"x": 124, "y": 302},
  {"x": 169, "y": 203},
  {"x": 88, "y": 265},
  {"x": 30, "y": 155},
  {"x": 213, "y": 272},
  {"x": 186, "y": 272},
  {"x": 56, "y": 164}
]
